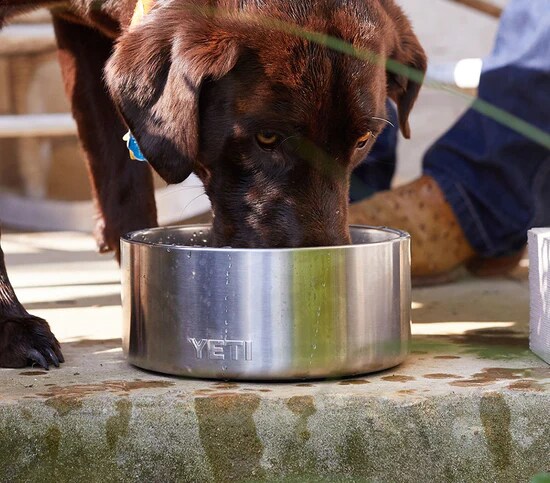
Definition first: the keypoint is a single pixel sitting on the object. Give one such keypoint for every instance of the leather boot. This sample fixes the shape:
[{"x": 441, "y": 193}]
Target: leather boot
[{"x": 438, "y": 244}]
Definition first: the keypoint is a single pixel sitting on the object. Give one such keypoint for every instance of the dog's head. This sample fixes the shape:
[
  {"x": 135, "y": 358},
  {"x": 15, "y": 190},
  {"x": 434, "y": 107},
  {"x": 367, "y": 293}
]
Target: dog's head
[{"x": 272, "y": 122}]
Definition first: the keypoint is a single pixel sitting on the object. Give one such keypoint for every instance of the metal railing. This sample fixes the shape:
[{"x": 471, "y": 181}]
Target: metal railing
[{"x": 36, "y": 125}]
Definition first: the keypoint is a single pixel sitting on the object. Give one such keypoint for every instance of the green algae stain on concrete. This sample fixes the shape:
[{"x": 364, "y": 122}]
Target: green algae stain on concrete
[
  {"x": 433, "y": 345},
  {"x": 541, "y": 478},
  {"x": 303, "y": 407},
  {"x": 26, "y": 414},
  {"x": 483, "y": 344},
  {"x": 296, "y": 458},
  {"x": 496, "y": 418},
  {"x": 64, "y": 405},
  {"x": 117, "y": 425},
  {"x": 354, "y": 454},
  {"x": 52, "y": 442},
  {"x": 228, "y": 435},
  {"x": 493, "y": 344},
  {"x": 11, "y": 449}
]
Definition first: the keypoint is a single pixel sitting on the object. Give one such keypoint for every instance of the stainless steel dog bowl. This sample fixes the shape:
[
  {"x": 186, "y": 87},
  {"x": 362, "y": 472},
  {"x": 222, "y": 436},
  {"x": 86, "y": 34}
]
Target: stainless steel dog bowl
[{"x": 265, "y": 314}]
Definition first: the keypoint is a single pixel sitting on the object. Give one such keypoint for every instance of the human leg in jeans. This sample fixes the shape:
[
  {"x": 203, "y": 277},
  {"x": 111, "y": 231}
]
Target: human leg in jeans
[{"x": 484, "y": 185}]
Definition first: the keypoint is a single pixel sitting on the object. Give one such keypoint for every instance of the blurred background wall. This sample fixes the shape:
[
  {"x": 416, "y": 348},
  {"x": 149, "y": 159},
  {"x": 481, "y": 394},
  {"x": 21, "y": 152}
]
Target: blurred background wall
[{"x": 30, "y": 82}]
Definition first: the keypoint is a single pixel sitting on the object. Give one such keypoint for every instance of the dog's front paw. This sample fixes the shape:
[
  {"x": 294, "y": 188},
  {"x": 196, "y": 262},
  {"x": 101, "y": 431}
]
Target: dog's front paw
[{"x": 27, "y": 340}]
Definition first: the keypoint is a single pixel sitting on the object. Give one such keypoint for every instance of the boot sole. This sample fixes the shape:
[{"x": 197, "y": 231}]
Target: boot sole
[{"x": 477, "y": 266}]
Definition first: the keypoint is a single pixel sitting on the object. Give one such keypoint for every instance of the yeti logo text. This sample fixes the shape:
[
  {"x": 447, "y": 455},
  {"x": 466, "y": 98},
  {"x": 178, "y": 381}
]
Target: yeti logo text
[{"x": 215, "y": 349}]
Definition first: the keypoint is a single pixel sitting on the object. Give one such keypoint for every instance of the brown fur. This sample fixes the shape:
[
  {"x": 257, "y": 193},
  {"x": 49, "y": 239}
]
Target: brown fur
[{"x": 196, "y": 82}]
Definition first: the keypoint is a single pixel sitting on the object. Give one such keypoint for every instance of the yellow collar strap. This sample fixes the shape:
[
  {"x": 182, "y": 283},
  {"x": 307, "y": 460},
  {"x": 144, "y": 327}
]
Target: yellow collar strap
[{"x": 143, "y": 7}]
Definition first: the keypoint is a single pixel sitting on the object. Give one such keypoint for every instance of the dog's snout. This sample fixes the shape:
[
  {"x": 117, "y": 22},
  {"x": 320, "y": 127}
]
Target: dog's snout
[
  {"x": 306, "y": 237},
  {"x": 315, "y": 225},
  {"x": 326, "y": 239},
  {"x": 282, "y": 233}
]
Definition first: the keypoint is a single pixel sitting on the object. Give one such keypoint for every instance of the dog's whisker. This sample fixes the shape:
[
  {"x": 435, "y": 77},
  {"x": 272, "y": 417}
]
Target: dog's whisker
[
  {"x": 179, "y": 189},
  {"x": 192, "y": 201},
  {"x": 288, "y": 139},
  {"x": 384, "y": 120}
]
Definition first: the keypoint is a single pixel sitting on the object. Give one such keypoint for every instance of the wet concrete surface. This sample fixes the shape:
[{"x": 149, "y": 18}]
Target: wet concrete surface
[{"x": 470, "y": 391}]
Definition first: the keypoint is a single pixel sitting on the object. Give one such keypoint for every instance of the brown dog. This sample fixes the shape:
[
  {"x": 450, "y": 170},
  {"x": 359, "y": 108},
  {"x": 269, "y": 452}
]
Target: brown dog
[{"x": 272, "y": 123}]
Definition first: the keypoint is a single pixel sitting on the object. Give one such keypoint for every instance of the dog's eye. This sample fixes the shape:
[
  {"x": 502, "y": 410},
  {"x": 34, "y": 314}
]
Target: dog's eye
[
  {"x": 267, "y": 139},
  {"x": 364, "y": 141}
]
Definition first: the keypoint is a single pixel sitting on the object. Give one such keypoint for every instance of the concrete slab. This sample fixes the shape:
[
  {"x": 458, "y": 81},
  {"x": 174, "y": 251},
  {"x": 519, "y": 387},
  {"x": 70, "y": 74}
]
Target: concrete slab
[{"x": 470, "y": 404}]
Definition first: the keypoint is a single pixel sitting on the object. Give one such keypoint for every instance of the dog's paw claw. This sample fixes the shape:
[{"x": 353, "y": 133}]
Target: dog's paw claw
[
  {"x": 36, "y": 358},
  {"x": 53, "y": 358},
  {"x": 27, "y": 340}
]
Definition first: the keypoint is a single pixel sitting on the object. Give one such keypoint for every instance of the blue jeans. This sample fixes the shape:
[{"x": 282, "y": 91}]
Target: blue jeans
[{"x": 496, "y": 180}]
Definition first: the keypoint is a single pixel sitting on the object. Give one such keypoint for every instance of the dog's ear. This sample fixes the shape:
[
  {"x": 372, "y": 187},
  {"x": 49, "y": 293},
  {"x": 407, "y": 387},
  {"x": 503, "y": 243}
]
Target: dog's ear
[
  {"x": 408, "y": 52},
  {"x": 155, "y": 76}
]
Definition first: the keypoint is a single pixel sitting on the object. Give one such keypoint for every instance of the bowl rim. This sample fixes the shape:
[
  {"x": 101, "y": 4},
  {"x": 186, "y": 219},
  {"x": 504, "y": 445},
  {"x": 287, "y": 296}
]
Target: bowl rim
[{"x": 127, "y": 239}]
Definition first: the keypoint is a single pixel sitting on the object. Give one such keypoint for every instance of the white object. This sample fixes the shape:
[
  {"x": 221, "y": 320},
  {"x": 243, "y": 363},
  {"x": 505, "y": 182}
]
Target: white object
[
  {"x": 539, "y": 284},
  {"x": 36, "y": 125},
  {"x": 468, "y": 73},
  {"x": 464, "y": 74}
]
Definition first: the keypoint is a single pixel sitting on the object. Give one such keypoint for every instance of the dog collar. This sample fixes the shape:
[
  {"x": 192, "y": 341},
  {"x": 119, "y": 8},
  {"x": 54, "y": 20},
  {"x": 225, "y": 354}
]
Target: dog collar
[{"x": 143, "y": 7}]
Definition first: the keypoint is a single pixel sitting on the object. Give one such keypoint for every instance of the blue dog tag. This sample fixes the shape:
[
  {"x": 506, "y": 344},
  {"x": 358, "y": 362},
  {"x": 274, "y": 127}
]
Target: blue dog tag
[{"x": 133, "y": 148}]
